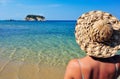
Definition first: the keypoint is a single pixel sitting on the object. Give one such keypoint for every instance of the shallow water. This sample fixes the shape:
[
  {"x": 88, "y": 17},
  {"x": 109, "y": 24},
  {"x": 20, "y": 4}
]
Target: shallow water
[{"x": 36, "y": 50}]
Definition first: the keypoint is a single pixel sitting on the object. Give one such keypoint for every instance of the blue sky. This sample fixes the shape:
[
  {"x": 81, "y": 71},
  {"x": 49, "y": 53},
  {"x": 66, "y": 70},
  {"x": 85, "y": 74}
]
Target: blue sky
[{"x": 55, "y": 9}]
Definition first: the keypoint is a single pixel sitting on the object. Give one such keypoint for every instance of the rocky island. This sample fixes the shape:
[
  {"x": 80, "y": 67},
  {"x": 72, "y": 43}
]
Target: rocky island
[{"x": 34, "y": 18}]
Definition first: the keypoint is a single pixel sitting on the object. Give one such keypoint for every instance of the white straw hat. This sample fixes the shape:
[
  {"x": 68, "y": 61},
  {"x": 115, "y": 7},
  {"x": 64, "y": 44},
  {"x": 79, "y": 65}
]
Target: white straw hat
[{"x": 98, "y": 34}]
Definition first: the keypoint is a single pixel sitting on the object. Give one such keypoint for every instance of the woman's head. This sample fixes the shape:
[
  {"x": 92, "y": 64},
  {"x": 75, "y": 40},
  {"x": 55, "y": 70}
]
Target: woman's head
[{"x": 98, "y": 34}]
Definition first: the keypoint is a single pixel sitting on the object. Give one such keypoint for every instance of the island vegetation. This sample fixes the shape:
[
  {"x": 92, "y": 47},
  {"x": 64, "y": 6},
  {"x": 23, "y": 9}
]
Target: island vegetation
[{"x": 34, "y": 18}]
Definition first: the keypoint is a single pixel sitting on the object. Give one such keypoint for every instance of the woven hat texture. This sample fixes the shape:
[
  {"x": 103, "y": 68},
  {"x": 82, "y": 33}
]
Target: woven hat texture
[{"x": 98, "y": 34}]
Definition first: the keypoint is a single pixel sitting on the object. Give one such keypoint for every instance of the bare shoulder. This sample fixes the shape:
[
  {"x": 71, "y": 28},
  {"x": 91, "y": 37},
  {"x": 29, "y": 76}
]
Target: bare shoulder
[
  {"x": 72, "y": 70},
  {"x": 73, "y": 63}
]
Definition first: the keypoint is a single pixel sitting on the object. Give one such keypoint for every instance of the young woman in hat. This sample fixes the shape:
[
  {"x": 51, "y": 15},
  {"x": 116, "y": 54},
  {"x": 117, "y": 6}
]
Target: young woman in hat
[{"x": 98, "y": 34}]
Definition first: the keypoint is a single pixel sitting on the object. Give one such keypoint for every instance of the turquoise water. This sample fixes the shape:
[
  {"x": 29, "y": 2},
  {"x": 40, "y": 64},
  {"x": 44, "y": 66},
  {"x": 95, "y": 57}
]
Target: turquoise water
[{"x": 48, "y": 42}]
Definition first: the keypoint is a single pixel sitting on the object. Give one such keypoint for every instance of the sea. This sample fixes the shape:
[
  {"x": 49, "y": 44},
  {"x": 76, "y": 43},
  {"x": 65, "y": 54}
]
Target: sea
[{"x": 37, "y": 50}]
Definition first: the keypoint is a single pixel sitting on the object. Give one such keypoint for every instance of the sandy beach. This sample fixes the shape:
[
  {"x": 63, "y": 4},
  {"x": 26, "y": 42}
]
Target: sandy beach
[{"x": 22, "y": 70}]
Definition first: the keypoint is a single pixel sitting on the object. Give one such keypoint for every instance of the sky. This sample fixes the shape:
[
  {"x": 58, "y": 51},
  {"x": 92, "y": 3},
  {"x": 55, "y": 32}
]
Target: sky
[{"x": 55, "y": 9}]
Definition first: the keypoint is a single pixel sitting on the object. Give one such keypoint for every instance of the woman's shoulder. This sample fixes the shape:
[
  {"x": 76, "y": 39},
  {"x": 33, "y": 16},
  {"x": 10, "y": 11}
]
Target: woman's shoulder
[
  {"x": 73, "y": 63},
  {"x": 73, "y": 69}
]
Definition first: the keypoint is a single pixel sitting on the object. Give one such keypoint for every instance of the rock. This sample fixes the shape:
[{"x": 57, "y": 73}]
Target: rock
[{"x": 34, "y": 18}]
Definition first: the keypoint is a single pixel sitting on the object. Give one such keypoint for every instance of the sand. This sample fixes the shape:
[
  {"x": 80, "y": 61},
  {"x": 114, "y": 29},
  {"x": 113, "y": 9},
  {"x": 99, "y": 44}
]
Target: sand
[{"x": 25, "y": 70}]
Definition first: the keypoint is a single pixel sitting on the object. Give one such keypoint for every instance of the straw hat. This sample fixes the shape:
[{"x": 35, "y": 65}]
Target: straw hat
[{"x": 98, "y": 34}]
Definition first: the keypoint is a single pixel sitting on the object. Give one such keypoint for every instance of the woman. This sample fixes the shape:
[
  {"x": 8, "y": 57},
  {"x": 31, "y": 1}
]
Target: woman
[{"x": 98, "y": 34}]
